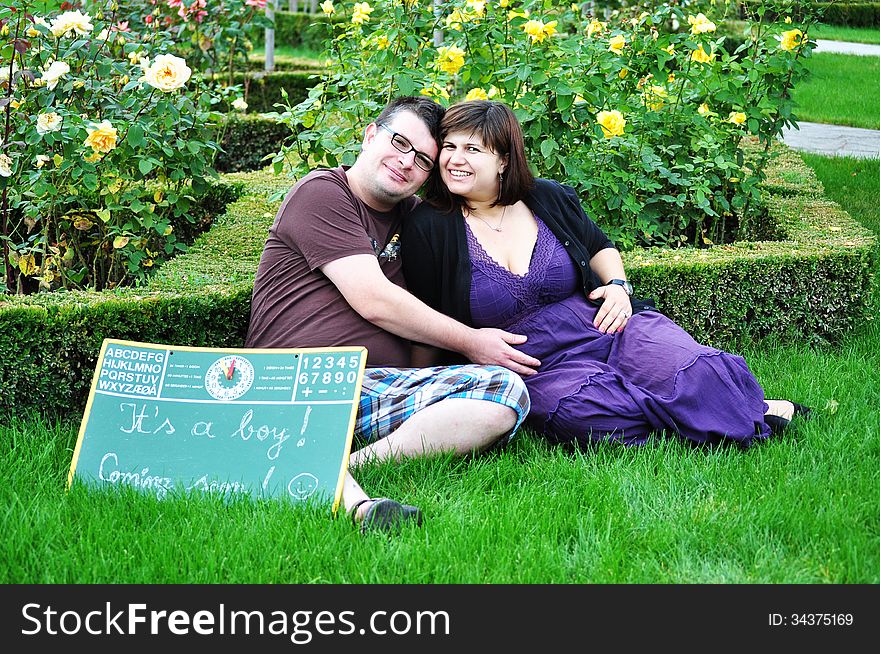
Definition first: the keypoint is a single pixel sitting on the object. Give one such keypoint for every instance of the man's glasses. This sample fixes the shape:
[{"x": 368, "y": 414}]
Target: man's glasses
[{"x": 402, "y": 144}]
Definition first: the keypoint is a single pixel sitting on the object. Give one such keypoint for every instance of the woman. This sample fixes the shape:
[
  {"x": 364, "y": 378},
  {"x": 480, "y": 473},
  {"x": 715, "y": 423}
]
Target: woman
[{"x": 495, "y": 247}]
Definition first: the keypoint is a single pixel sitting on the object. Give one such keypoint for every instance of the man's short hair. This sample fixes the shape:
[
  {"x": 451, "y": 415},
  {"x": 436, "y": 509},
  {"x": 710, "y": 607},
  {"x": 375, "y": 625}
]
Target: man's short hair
[{"x": 426, "y": 109}]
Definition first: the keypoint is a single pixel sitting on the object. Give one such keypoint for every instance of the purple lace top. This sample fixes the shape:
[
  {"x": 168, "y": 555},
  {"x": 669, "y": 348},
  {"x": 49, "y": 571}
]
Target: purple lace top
[{"x": 500, "y": 298}]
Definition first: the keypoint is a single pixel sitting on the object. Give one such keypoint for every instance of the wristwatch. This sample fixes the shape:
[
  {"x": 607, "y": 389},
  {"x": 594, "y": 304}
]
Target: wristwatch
[{"x": 626, "y": 285}]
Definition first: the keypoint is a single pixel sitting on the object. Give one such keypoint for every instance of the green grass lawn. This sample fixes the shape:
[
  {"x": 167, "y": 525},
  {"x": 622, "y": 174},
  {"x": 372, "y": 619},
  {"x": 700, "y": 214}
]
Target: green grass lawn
[
  {"x": 853, "y": 183},
  {"x": 800, "y": 509},
  {"x": 288, "y": 58},
  {"x": 842, "y": 90},
  {"x": 840, "y": 33}
]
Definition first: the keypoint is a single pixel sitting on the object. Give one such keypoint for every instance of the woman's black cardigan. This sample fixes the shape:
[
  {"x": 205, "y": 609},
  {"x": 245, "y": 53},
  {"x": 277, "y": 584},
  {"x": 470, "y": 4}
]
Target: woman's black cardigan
[{"x": 437, "y": 264}]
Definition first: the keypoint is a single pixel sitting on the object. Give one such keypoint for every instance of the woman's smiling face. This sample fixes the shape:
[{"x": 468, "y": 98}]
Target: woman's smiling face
[{"x": 469, "y": 168}]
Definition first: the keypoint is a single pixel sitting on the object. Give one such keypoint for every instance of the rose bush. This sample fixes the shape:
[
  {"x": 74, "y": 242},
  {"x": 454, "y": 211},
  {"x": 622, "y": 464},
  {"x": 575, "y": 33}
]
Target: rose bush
[
  {"x": 106, "y": 139},
  {"x": 644, "y": 113}
]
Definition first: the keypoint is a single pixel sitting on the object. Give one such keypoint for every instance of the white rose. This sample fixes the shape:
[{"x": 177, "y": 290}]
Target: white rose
[
  {"x": 54, "y": 73},
  {"x": 42, "y": 160},
  {"x": 4, "y": 71},
  {"x": 5, "y": 165},
  {"x": 48, "y": 122},
  {"x": 71, "y": 23},
  {"x": 239, "y": 104},
  {"x": 168, "y": 73}
]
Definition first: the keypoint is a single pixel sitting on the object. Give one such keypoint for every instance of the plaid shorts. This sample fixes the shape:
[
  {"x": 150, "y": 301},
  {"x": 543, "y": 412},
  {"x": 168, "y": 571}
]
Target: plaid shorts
[{"x": 389, "y": 396}]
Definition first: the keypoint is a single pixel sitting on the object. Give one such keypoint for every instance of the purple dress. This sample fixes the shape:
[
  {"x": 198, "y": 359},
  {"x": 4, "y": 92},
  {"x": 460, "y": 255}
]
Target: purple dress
[{"x": 591, "y": 386}]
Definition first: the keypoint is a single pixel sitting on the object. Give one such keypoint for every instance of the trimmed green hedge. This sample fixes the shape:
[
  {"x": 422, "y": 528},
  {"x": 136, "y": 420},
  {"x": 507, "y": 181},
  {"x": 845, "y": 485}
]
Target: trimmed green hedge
[
  {"x": 849, "y": 14},
  {"x": 813, "y": 285},
  {"x": 298, "y": 29},
  {"x": 263, "y": 90},
  {"x": 248, "y": 139}
]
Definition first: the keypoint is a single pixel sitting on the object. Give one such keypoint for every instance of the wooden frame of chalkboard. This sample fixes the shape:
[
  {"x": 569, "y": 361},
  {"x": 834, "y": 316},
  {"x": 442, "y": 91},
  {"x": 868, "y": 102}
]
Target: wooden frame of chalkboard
[{"x": 262, "y": 422}]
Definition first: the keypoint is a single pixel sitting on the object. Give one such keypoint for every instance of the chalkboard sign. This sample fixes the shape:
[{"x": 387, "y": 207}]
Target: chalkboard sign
[{"x": 267, "y": 423}]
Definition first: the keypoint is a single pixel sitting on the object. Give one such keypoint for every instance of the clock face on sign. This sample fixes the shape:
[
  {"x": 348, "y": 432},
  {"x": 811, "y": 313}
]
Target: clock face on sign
[{"x": 229, "y": 377}]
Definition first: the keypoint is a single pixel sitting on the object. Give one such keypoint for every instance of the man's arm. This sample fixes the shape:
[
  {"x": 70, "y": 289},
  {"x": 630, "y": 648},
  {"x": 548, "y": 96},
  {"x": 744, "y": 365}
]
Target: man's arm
[{"x": 376, "y": 299}]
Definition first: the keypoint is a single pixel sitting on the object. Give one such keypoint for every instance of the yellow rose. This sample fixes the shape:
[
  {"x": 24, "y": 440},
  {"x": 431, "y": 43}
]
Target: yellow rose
[
  {"x": 435, "y": 91},
  {"x": 670, "y": 49},
  {"x": 616, "y": 43},
  {"x": 361, "y": 13},
  {"x": 704, "y": 110},
  {"x": 700, "y": 24},
  {"x": 790, "y": 39},
  {"x": 477, "y": 7},
  {"x": 538, "y": 30},
  {"x": 455, "y": 19},
  {"x": 48, "y": 122},
  {"x": 534, "y": 29},
  {"x": 596, "y": 27},
  {"x": 623, "y": 73},
  {"x": 788, "y": 20},
  {"x": 476, "y": 94},
  {"x": 42, "y": 160},
  {"x": 701, "y": 57},
  {"x": 736, "y": 117},
  {"x": 102, "y": 137},
  {"x": 328, "y": 8},
  {"x": 167, "y": 73},
  {"x": 612, "y": 123},
  {"x": 382, "y": 42},
  {"x": 450, "y": 59},
  {"x": 71, "y": 23},
  {"x": 503, "y": 3},
  {"x": 655, "y": 97}
]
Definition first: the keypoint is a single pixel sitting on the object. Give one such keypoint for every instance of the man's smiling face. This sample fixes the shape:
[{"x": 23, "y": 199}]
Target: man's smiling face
[{"x": 387, "y": 175}]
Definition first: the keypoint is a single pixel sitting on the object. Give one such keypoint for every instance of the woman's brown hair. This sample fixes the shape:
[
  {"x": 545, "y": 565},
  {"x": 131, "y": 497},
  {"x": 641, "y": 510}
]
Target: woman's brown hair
[{"x": 499, "y": 130}]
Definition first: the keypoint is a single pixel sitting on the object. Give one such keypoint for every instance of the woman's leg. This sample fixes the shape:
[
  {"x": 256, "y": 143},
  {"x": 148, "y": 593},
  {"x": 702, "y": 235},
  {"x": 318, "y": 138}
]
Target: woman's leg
[{"x": 704, "y": 394}]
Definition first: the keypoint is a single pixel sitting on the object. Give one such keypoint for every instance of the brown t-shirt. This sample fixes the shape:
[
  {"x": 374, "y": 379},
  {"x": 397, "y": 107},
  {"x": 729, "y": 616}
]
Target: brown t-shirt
[{"x": 294, "y": 303}]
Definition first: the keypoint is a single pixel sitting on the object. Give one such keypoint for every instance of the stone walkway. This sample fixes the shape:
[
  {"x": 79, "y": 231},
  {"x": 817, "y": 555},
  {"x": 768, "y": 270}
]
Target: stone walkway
[
  {"x": 835, "y": 140},
  {"x": 846, "y": 47}
]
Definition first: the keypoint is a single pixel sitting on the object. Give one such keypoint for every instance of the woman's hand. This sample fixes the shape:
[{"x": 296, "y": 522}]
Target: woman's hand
[{"x": 615, "y": 311}]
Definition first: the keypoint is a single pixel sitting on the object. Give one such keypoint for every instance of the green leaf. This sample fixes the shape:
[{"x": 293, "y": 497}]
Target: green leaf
[
  {"x": 145, "y": 166},
  {"x": 135, "y": 136},
  {"x": 406, "y": 84},
  {"x": 548, "y": 147}
]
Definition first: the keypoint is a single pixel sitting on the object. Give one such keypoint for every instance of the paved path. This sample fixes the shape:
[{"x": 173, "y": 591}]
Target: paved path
[
  {"x": 845, "y": 47},
  {"x": 835, "y": 140}
]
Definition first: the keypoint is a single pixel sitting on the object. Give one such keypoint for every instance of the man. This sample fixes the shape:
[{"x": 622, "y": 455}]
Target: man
[{"x": 330, "y": 276}]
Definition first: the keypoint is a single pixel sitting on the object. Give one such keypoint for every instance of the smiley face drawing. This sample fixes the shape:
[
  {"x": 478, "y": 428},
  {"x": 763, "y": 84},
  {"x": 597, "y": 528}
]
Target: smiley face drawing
[
  {"x": 302, "y": 486},
  {"x": 229, "y": 377}
]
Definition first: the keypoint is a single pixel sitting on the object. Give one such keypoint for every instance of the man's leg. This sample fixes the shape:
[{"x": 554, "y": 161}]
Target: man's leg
[
  {"x": 451, "y": 425},
  {"x": 460, "y": 409}
]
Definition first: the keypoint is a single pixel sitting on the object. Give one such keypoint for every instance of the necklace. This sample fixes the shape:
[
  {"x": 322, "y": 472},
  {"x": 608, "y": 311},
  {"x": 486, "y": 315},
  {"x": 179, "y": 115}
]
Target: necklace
[{"x": 488, "y": 224}]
